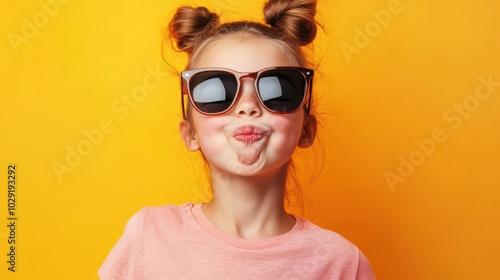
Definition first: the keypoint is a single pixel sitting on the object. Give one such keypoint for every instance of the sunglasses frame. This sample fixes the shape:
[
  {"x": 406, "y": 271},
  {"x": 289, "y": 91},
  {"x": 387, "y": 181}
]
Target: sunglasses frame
[{"x": 308, "y": 75}]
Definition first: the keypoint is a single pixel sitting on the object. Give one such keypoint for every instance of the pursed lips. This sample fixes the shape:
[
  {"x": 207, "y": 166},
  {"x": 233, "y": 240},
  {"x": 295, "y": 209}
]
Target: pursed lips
[{"x": 248, "y": 134}]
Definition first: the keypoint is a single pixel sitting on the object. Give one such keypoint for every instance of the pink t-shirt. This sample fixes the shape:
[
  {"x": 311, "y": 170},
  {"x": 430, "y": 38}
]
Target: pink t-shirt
[{"x": 179, "y": 242}]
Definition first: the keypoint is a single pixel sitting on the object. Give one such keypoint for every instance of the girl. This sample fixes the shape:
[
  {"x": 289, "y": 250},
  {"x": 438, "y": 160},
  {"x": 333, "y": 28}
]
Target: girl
[{"x": 249, "y": 93}]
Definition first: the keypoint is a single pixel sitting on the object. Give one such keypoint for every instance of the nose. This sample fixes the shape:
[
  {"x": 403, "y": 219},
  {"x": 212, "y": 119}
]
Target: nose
[{"x": 248, "y": 104}]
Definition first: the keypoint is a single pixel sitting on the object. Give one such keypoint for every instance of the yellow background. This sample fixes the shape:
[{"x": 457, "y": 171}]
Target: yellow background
[{"x": 71, "y": 72}]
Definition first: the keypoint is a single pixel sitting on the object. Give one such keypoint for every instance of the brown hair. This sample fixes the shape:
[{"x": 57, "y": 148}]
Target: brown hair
[{"x": 291, "y": 24}]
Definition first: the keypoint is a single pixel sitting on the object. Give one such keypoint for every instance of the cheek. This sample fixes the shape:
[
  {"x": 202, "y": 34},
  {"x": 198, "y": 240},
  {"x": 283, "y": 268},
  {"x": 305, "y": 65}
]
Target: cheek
[
  {"x": 209, "y": 135},
  {"x": 287, "y": 131}
]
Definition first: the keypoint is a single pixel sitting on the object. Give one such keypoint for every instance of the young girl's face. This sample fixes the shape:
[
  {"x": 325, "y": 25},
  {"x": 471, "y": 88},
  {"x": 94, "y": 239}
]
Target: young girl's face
[{"x": 248, "y": 139}]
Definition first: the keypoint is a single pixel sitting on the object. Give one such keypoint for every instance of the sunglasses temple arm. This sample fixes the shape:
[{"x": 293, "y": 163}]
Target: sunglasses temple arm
[
  {"x": 183, "y": 110},
  {"x": 183, "y": 89},
  {"x": 310, "y": 96}
]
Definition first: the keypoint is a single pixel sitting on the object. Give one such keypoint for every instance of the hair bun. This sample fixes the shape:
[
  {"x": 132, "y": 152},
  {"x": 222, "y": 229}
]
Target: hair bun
[
  {"x": 190, "y": 26},
  {"x": 294, "y": 18}
]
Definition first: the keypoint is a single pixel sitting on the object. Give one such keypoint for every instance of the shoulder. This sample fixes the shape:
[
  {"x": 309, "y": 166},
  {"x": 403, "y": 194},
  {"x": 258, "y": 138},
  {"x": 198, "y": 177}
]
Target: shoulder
[
  {"x": 145, "y": 234},
  {"x": 157, "y": 220},
  {"x": 163, "y": 217},
  {"x": 327, "y": 239},
  {"x": 167, "y": 212},
  {"x": 336, "y": 252}
]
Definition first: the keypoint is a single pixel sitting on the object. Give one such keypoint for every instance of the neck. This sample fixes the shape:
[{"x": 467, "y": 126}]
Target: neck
[{"x": 249, "y": 207}]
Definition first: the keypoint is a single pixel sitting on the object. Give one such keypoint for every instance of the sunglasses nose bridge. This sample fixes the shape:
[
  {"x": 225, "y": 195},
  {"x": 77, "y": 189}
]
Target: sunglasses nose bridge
[
  {"x": 247, "y": 101},
  {"x": 247, "y": 76},
  {"x": 251, "y": 77}
]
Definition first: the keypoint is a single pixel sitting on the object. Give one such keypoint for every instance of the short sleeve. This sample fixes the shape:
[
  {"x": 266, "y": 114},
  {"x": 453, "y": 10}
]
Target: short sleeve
[
  {"x": 122, "y": 261},
  {"x": 364, "y": 270}
]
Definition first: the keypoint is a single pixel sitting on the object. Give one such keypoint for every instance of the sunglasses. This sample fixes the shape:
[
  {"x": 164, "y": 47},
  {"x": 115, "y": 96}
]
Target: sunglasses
[{"x": 213, "y": 91}]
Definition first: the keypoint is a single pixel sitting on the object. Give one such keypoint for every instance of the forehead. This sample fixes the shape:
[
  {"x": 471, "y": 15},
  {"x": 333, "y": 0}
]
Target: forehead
[{"x": 248, "y": 54}]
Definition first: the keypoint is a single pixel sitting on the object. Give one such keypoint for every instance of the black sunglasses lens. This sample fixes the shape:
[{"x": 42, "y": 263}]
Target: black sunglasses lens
[
  {"x": 213, "y": 91},
  {"x": 282, "y": 90}
]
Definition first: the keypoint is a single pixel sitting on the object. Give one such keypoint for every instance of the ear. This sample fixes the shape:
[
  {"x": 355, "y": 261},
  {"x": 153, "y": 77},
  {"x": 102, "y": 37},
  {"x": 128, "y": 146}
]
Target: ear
[
  {"x": 189, "y": 136},
  {"x": 308, "y": 132}
]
